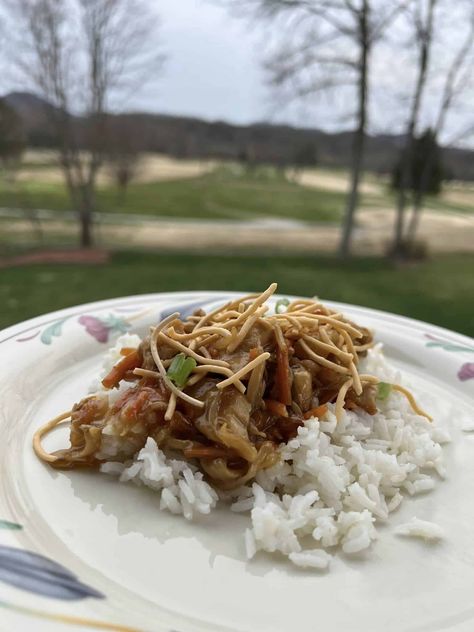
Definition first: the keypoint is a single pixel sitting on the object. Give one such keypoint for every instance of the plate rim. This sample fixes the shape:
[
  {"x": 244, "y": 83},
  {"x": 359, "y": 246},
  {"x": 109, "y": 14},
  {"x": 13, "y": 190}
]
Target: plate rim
[
  {"x": 11, "y": 331},
  {"x": 409, "y": 324}
]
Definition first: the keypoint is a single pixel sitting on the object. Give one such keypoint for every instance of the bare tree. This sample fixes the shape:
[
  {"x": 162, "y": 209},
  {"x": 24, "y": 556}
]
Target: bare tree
[
  {"x": 421, "y": 16},
  {"x": 124, "y": 147},
  {"x": 80, "y": 55},
  {"x": 12, "y": 146},
  {"x": 12, "y": 140},
  {"x": 328, "y": 44},
  {"x": 455, "y": 84}
]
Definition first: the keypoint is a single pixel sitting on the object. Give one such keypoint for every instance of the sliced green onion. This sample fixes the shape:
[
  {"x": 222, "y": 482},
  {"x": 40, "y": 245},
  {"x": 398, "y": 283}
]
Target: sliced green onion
[
  {"x": 282, "y": 303},
  {"x": 383, "y": 390},
  {"x": 180, "y": 369}
]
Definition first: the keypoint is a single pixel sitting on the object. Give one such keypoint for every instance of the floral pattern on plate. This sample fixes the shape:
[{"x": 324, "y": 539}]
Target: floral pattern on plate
[
  {"x": 102, "y": 327},
  {"x": 99, "y": 327},
  {"x": 466, "y": 371},
  {"x": 42, "y": 576}
]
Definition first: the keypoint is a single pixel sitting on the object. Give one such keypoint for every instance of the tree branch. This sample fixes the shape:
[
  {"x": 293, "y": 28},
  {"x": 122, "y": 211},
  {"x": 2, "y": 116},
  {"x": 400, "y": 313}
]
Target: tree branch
[
  {"x": 452, "y": 85},
  {"x": 378, "y": 30}
]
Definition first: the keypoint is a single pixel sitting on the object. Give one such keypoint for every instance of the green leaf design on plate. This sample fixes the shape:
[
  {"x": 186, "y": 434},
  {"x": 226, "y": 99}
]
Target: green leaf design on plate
[
  {"x": 40, "y": 575},
  {"x": 12, "y": 526},
  {"x": 53, "y": 331},
  {"x": 115, "y": 323}
]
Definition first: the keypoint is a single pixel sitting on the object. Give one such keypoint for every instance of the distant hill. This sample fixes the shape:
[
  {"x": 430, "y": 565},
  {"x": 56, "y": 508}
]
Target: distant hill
[
  {"x": 35, "y": 114},
  {"x": 185, "y": 137},
  {"x": 29, "y": 106}
]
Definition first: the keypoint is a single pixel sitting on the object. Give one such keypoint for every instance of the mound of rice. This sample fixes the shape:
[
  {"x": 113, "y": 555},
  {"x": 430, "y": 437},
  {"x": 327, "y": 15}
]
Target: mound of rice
[{"x": 333, "y": 483}]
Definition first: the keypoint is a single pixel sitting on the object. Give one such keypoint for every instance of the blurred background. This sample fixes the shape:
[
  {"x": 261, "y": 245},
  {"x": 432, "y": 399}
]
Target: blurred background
[{"x": 156, "y": 145}]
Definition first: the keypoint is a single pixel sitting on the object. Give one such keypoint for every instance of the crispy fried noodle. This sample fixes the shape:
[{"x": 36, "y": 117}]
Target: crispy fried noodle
[{"x": 224, "y": 389}]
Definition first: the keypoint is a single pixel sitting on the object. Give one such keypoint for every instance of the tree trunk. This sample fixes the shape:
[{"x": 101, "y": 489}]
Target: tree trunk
[
  {"x": 83, "y": 205},
  {"x": 353, "y": 197},
  {"x": 406, "y": 167},
  {"x": 419, "y": 197},
  {"x": 23, "y": 202},
  {"x": 358, "y": 144},
  {"x": 85, "y": 221},
  {"x": 86, "y": 214},
  {"x": 399, "y": 248},
  {"x": 404, "y": 183},
  {"x": 81, "y": 188},
  {"x": 36, "y": 224},
  {"x": 414, "y": 222},
  {"x": 123, "y": 177}
]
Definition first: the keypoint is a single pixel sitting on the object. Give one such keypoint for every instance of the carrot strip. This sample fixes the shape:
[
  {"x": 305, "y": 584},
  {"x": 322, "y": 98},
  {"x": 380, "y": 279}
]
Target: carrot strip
[
  {"x": 318, "y": 412},
  {"x": 282, "y": 376},
  {"x": 254, "y": 353},
  {"x": 276, "y": 408},
  {"x": 129, "y": 362},
  {"x": 127, "y": 350}
]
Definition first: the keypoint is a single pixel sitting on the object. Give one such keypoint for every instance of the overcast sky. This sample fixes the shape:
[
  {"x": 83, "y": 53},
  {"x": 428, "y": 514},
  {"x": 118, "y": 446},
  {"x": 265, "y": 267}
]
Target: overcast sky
[
  {"x": 213, "y": 68},
  {"x": 214, "y": 71}
]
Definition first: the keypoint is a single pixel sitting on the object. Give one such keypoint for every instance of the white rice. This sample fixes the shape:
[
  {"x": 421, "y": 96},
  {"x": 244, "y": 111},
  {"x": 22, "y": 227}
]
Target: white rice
[
  {"x": 183, "y": 490},
  {"x": 316, "y": 558},
  {"x": 421, "y": 529},
  {"x": 111, "y": 357},
  {"x": 333, "y": 483}
]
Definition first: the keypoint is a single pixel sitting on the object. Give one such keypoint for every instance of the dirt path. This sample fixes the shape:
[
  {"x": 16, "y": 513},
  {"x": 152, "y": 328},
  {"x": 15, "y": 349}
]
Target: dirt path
[
  {"x": 443, "y": 233},
  {"x": 334, "y": 181}
]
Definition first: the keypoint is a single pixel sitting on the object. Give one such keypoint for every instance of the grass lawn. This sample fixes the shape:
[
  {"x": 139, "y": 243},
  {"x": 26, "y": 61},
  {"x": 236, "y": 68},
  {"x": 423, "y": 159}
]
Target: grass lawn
[
  {"x": 229, "y": 192},
  {"x": 218, "y": 195},
  {"x": 439, "y": 291}
]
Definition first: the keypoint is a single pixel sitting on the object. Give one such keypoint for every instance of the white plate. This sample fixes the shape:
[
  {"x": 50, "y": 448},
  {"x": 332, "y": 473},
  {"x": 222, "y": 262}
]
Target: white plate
[{"x": 132, "y": 567}]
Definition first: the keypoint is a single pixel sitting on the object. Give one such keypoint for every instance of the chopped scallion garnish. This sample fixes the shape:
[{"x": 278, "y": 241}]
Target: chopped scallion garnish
[
  {"x": 383, "y": 390},
  {"x": 282, "y": 303},
  {"x": 180, "y": 369}
]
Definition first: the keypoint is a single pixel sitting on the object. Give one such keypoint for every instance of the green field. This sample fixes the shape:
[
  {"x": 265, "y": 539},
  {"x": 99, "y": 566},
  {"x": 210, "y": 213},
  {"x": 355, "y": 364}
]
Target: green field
[
  {"x": 438, "y": 291},
  {"x": 218, "y": 195},
  {"x": 228, "y": 192}
]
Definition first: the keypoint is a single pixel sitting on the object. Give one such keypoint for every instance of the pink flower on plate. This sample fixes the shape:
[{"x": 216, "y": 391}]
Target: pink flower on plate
[
  {"x": 466, "y": 372},
  {"x": 100, "y": 328},
  {"x": 95, "y": 328}
]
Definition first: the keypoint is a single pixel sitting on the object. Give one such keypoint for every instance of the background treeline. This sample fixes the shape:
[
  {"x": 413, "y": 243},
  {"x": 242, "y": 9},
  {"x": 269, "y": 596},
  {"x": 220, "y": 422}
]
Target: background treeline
[{"x": 279, "y": 145}]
